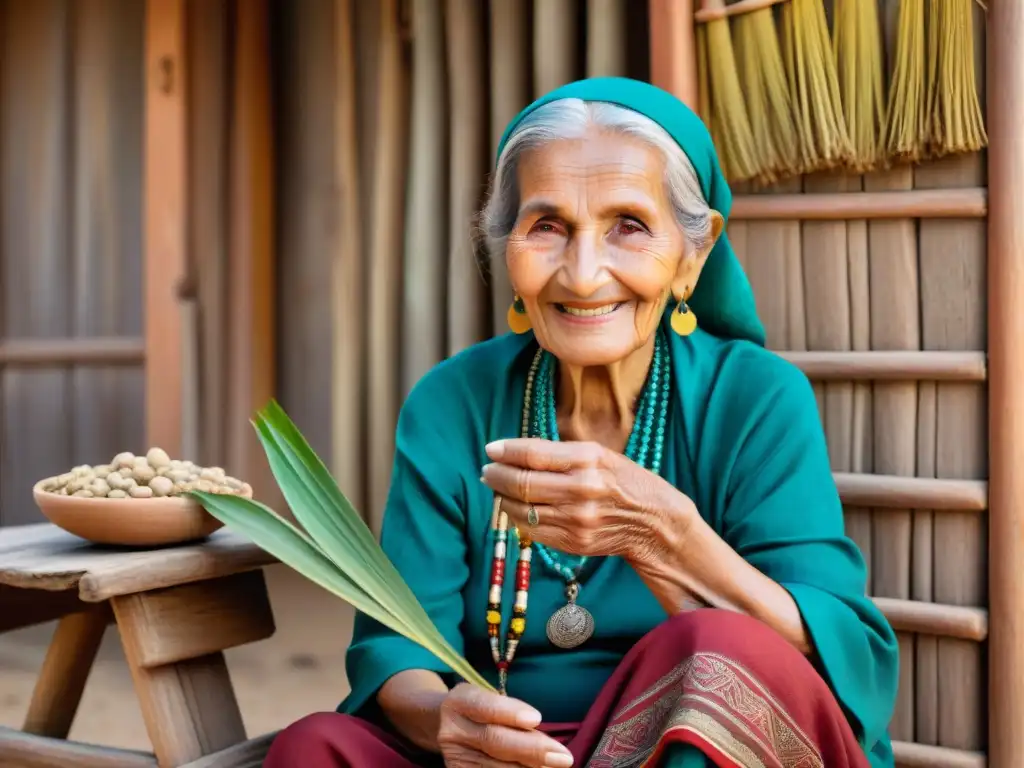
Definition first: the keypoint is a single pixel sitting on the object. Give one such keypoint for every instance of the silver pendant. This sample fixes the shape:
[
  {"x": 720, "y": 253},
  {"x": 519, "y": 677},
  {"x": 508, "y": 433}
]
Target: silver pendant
[{"x": 571, "y": 625}]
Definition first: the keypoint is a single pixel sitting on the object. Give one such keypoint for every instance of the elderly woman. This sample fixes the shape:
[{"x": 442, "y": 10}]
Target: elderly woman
[{"x": 638, "y": 468}]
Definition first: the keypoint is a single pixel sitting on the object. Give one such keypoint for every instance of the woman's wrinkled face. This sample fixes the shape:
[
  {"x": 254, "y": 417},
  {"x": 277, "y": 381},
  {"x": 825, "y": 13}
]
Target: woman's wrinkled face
[{"x": 596, "y": 251}]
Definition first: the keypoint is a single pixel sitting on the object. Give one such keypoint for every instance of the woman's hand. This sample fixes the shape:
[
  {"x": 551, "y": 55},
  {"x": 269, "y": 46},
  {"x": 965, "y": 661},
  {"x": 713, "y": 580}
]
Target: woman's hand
[
  {"x": 587, "y": 499},
  {"x": 480, "y": 729}
]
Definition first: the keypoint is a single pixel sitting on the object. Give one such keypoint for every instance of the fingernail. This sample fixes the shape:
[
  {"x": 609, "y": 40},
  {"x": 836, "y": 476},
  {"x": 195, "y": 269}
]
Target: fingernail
[
  {"x": 496, "y": 449},
  {"x": 484, "y": 472},
  {"x": 558, "y": 760},
  {"x": 529, "y": 718}
]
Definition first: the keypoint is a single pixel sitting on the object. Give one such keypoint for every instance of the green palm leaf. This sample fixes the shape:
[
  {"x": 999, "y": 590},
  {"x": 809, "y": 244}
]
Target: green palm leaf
[
  {"x": 336, "y": 550},
  {"x": 315, "y": 499}
]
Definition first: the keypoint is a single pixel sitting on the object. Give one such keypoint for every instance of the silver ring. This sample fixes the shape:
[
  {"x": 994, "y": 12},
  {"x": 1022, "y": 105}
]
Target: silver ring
[{"x": 532, "y": 517}]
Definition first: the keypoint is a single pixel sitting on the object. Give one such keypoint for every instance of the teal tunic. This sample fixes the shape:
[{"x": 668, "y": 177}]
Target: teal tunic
[{"x": 744, "y": 443}]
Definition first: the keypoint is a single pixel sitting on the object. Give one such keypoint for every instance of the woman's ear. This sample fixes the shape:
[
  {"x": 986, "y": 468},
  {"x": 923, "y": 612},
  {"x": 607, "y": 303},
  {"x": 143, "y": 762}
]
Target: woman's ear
[
  {"x": 691, "y": 265},
  {"x": 717, "y": 227}
]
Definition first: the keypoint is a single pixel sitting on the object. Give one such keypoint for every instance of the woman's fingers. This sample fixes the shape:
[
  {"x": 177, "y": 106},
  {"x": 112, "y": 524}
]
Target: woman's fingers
[
  {"x": 575, "y": 534},
  {"x": 545, "y": 523},
  {"x": 500, "y": 727},
  {"x": 532, "y": 749},
  {"x": 470, "y": 758},
  {"x": 491, "y": 709},
  {"x": 546, "y": 455},
  {"x": 540, "y": 487}
]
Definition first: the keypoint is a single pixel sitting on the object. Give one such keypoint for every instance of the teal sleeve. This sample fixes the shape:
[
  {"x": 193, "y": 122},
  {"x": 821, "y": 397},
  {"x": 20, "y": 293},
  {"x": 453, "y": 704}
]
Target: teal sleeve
[
  {"x": 784, "y": 516},
  {"x": 424, "y": 536}
]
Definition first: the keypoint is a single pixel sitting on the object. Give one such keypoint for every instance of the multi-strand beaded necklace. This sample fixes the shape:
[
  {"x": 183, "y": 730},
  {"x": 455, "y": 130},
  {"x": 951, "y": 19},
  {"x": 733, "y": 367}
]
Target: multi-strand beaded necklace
[{"x": 571, "y": 625}]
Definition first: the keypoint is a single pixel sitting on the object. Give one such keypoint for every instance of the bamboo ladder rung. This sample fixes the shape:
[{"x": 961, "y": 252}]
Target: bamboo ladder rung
[
  {"x": 965, "y": 203},
  {"x": 909, "y": 365},
  {"x": 83, "y": 351},
  {"x": 920, "y": 617},
  {"x": 911, "y": 755},
  {"x": 899, "y": 492}
]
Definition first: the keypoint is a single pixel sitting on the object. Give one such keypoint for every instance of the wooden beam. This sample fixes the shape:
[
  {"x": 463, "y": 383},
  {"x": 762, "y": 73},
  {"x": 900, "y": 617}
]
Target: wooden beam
[
  {"x": 348, "y": 270},
  {"x": 164, "y": 259},
  {"x": 210, "y": 27},
  {"x": 42, "y": 557},
  {"x": 27, "y": 751},
  {"x": 69, "y": 659},
  {"x": 934, "y": 619},
  {"x": 895, "y": 492},
  {"x": 715, "y": 12},
  {"x": 674, "y": 49},
  {"x": 967, "y": 203},
  {"x": 193, "y": 620},
  {"x": 41, "y": 353},
  {"x": 251, "y": 258},
  {"x": 1006, "y": 372},
  {"x": 890, "y": 365},
  {"x": 21, "y": 607},
  {"x": 909, "y": 755}
]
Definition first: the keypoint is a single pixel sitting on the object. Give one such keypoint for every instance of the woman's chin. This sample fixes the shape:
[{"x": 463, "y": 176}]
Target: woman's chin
[{"x": 587, "y": 350}]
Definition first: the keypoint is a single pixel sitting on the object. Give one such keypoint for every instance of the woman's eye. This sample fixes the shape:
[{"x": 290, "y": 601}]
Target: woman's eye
[
  {"x": 546, "y": 228},
  {"x": 630, "y": 227}
]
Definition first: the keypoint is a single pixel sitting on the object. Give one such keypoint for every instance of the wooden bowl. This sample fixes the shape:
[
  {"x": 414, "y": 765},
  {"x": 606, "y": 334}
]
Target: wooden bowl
[{"x": 127, "y": 522}]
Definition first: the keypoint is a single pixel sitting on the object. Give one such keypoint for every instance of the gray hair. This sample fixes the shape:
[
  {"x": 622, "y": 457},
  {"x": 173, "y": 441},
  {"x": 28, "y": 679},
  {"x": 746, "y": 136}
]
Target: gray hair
[{"x": 570, "y": 119}]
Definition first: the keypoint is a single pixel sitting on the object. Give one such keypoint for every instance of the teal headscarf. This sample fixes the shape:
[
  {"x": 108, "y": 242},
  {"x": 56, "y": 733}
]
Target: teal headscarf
[{"x": 723, "y": 299}]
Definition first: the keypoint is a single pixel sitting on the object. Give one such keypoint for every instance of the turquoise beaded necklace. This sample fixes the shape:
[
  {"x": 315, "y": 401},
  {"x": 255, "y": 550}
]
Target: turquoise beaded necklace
[{"x": 572, "y": 625}]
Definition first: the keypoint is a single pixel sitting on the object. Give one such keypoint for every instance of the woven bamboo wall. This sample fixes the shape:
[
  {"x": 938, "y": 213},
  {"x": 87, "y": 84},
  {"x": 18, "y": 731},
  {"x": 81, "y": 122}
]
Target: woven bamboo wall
[{"x": 71, "y": 108}]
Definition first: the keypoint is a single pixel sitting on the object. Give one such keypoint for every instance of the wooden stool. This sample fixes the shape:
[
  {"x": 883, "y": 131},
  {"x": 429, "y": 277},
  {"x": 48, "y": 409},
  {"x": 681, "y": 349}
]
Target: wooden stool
[{"x": 176, "y": 609}]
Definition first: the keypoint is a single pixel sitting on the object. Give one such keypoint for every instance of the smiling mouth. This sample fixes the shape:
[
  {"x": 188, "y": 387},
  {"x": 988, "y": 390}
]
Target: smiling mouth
[{"x": 605, "y": 309}]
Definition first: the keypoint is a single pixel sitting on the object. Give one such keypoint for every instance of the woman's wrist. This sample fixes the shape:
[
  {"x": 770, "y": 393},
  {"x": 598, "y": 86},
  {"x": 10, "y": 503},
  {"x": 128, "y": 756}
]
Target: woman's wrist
[
  {"x": 659, "y": 555},
  {"x": 668, "y": 519},
  {"x": 411, "y": 701},
  {"x": 695, "y": 567}
]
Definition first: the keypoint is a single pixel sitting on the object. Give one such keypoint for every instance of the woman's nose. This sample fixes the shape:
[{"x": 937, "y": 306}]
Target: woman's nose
[{"x": 584, "y": 271}]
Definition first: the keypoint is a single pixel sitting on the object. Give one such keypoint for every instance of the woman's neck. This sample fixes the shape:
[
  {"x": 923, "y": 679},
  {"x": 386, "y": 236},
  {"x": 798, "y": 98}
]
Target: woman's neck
[{"x": 598, "y": 402}]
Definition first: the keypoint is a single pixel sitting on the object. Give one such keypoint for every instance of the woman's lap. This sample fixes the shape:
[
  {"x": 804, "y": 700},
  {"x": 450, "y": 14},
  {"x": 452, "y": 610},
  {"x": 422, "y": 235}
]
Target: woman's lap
[
  {"x": 704, "y": 688},
  {"x": 332, "y": 740}
]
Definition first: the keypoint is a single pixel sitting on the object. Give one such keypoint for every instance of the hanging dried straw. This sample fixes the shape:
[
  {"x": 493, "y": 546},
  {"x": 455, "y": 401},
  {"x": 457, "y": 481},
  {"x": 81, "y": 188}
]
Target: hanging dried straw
[
  {"x": 725, "y": 112},
  {"x": 814, "y": 86},
  {"x": 857, "y": 46},
  {"x": 906, "y": 121},
  {"x": 953, "y": 122},
  {"x": 763, "y": 81}
]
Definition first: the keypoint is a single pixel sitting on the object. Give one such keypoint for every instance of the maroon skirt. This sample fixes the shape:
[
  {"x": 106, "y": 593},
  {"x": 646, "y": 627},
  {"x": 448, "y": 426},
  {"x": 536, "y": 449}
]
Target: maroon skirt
[{"x": 720, "y": 682}]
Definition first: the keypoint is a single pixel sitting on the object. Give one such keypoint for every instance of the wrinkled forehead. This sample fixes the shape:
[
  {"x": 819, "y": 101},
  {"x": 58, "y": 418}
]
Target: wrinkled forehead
[{"x": 601, "y": 164}]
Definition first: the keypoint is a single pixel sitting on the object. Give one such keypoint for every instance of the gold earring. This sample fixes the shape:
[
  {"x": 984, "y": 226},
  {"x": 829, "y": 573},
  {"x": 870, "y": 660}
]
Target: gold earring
[
  {"x": 683, "y": 322},
  {"x": 518, "y": 320}
]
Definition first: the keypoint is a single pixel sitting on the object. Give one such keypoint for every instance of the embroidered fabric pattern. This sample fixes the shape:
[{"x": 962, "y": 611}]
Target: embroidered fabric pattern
[{"x": 713, "y": 700}]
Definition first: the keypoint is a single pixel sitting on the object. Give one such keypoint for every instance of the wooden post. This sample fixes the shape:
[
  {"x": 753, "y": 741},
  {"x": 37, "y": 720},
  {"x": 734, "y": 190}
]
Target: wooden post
[
  {"x": 674, "y": 49},
  {"x": 164, "y": 260},
  {"x": 348, "y": 364},
  {"x": 1006, "y": 383},
  {"x": 251, "y": 254}
]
